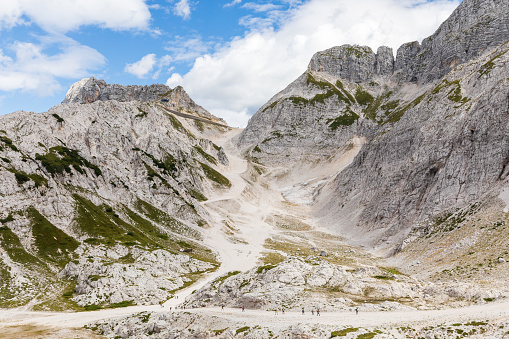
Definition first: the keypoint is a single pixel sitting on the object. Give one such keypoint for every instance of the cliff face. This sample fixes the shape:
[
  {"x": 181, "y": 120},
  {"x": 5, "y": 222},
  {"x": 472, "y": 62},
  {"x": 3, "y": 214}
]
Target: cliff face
[
  {"x": 449, "y": 150},
  {"x": 425, "y": 121},
  {"x": 475, "y": 27},
  {"x": 101, "y": 189}
]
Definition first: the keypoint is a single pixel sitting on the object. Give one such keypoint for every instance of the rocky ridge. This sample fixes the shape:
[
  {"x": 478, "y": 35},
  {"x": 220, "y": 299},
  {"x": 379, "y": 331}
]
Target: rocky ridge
[{"x": 89, "y": 90}]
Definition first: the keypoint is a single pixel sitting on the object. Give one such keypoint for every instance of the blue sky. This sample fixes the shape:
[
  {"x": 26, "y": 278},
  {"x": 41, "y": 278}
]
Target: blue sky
[{"x": 231, "y": 56}]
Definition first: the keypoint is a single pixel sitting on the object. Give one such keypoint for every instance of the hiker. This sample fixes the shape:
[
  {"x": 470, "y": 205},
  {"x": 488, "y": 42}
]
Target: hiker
[
  {"x": 303, "y": 311},
  {"x": 356, "y": 311},
  {"x": 318, "y": 312},
  {"x": 275, "y": 311},
  {"x": 242, "y": 308},
  {"x": 222, "y": 307},
  {"x": 312, "y": 312},
  {"x": 283, "y": 310}
]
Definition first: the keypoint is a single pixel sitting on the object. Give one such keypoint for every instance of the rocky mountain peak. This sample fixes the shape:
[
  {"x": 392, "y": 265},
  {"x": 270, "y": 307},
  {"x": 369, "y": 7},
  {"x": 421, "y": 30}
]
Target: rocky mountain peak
[
  {"x": 91, "y": 89},
  {"x": 353, "y": 63}
]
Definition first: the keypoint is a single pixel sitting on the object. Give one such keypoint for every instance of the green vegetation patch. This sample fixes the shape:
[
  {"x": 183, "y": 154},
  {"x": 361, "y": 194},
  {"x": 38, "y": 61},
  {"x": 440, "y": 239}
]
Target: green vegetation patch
[
  {"x": 59, "y": 119},
  {"x": 142, "y": 113},
  {"x": 215, "y": 176},
  {"x": 8, "y": 218},
  {"x": 358, "y": 51},
  {"x": 343, "y": 332},
  {"x": 60, "y": 159},
  {"x": 168, "y": 165},
  {"x": 243, "y": 329},
  {"x": 8, "y": 143},
  {"x": 383, "y": 277},
  {"x": 396, "y": 115},
  {"x": 199, "y": 125},
  {"x": 92, "y": 307},
  {"x": 10, "y": 242},
  {"x": 263, "y": 268},
  {"x": 362, "y": 97},
  {"x": 177, "y": 125},
  {"x": 226, "y": 276},
  {"x": 197, "y": 195},
  {"x": 161, "y": 217},
  {"x": 271, "y": 106},
  {"x": 347, "y": 119},
  {"x": 330, "y": 91},
  {"x": 368, "y": 335},
  {"x": 371, "y": 109},
  {"x": 125, "y": 303},
  {"x": 205, "y": 155},
  {"x": 454, "y": 93},
  {"x": 94, "y": 221},
  {"x": 51, "y": 242},
  {"x": 488, "y": 67},
  {"x": 22, "y": 177}
]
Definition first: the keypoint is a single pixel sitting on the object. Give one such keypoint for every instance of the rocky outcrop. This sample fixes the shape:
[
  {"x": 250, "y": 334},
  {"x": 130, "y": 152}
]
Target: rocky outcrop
[
  {"x": 353, "y": 63},
  {"x": 316, "y": 283},
  {"x": 145, "y": 280},
  {"x": 89, "y": 90}
]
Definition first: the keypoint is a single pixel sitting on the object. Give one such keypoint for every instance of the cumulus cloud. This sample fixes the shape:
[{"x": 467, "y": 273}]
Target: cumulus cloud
[
  {"x": 32, "y": 69},
  {"x": 147, "y": 64},
  {"x": 183, "y": 9},
  {"x": 142, "y": 67},
  {"x": 63, "y": 15},
  {"x": 241, "y": 76}
]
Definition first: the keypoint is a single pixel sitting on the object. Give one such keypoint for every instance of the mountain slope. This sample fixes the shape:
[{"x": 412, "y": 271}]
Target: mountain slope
[{"x": 100, "y": 188}]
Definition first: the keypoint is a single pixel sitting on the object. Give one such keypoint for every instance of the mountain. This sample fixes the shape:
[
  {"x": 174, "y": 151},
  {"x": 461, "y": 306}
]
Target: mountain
[
  {"x": 101, "y": 197},
  {"x": 394, "y": 147}
]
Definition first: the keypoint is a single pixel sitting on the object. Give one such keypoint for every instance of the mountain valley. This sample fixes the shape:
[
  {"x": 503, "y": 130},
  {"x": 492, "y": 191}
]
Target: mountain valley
[{"x": 373, "y": 183}]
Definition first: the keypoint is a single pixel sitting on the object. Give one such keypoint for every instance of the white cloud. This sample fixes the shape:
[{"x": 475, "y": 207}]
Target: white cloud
[
  {"x": 183, "y": 9},
  {"x": 142, "y": 67},
  {"x": 31, "y": 69},
  {"x": 243, "y": 75},
  {"x": 64, "y": 15},
  {"x": 233, "y": 3},
  {"x": 188, "y": 48},
  {"x": 147, "y": 64},
  {"x": 175, "y": 80},
  {"x": 260, "y": 7}
]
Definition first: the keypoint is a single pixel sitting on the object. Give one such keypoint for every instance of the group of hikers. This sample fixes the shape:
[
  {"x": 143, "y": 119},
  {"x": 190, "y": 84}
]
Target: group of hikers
[
  {"x": 276, "y": 310},
  {"x": 312, "y": 311}
]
